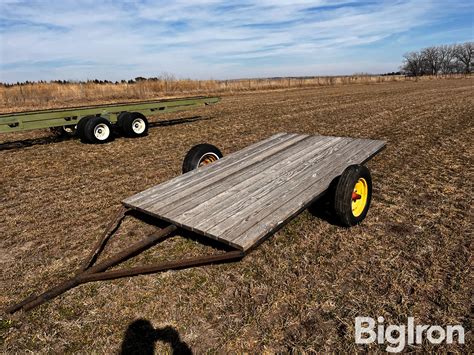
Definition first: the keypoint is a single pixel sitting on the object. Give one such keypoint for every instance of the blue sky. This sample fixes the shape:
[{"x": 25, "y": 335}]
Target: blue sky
[{"x": 211, "y": 39}]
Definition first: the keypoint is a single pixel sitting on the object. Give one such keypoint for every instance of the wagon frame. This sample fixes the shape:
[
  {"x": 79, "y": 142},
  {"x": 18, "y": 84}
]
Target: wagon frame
[
  {"x": 67, "y": 119},
  {"x": 250, "y": 195}
]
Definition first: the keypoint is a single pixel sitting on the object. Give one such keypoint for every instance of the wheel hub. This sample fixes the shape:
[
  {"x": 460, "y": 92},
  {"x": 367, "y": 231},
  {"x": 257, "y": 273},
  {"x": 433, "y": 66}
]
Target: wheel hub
[
  {"x": 138, "y": 126},
  {"x": 207, "y": 158},
  {"x": 359, "y": 197},
  {"x": 101, "y": 132}
]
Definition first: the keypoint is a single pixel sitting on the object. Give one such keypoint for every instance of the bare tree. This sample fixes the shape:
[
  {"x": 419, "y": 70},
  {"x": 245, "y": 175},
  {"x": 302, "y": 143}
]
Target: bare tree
[
  {"x": 447, "y": 57},
  {"x": 464, "y": 54},
  {"x": 431, "y": 60},
  {"x": 412, "y": 64}
]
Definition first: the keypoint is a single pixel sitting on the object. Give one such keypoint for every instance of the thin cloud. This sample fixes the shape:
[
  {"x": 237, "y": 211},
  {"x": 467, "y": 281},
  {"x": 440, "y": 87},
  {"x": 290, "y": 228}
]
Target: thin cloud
[{"x": 44, "y": 40}]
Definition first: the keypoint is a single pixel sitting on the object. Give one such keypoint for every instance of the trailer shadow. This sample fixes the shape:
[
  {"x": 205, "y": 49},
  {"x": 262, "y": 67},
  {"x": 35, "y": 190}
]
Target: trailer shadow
[
  {"x": 141, "y": 337},
  {"x": 208, "y": 242},
  {"x": 25, "y": 143},
  {"x": 323, "y": 207},
  {"x": 177, "y": 121}
]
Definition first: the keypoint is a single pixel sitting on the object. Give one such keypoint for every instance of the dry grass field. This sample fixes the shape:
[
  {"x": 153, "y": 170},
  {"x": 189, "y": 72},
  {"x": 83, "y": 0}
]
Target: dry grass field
[
  {"x": 302, "y": 288},
  {"x": 34, "y": 96}
]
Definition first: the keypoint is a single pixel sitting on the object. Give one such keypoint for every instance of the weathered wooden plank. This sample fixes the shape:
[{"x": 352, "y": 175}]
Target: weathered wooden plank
[
  {"x": 203, "y": 173},
  {"x": 265, "y": 188},
  {"x": 187, "y": 227},
  {"x": 179, "y": 191},
  {"x": 232, "y": 190},
  {"x": 215, "y": 172},
  {"x": 238, "y": 194},
  {"x": 271, "y": 215},
  {"x": 231, "y": 218},
  {"x": 200, "y": 172},
  {"x": 256, "y": 174},
  {"x": 231, "y": 222}
]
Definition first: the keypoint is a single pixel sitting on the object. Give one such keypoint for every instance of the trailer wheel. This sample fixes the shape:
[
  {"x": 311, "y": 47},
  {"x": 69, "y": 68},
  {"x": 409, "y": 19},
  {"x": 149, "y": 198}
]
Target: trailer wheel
[
  {"x": 97, "y": 130},
  {"x": 353, "y": 195},
  {"x": 200, "y": 155},
  {"x": 133, "y": 124},
  {"x": 80, "y": 128}
]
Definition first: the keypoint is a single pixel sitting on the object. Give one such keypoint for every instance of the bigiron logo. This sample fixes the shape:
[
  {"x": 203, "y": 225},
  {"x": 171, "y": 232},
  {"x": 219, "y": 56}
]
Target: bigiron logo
[{"x": 398, "y": 336}]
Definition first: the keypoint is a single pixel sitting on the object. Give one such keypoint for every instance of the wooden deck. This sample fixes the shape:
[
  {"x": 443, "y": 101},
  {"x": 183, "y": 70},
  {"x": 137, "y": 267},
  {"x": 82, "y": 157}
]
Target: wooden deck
[{"x": 244, "y": 197}]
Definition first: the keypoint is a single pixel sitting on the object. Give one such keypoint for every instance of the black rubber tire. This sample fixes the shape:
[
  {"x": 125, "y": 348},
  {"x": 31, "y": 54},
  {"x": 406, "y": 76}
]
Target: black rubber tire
[
  {"x": 343, "y": 195},
  {"x": 126, "y": 121},
  {"x": 90, "y": 126},
  {"x": 80, "y": 127},
  {"x": 193, "y": 157}
]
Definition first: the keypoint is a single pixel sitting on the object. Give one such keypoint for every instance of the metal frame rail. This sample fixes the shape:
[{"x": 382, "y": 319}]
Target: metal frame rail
[
  {"x": 21, "y": 121},
  {"x": 88, "y": 272}
]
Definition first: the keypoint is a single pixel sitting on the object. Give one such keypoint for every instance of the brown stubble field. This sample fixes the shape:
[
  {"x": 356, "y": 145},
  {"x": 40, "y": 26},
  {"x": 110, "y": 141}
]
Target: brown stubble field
[{"x": 301, "y": 289}]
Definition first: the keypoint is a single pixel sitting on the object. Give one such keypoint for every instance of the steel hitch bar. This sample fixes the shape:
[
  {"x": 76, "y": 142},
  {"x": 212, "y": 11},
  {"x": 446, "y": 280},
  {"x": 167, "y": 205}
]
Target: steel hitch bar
[{"x": 88, "y": 272}]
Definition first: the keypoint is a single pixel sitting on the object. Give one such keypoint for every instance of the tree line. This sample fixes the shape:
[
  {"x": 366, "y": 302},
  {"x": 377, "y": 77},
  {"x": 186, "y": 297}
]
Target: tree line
[
  {"x": 92, "y": 81},
  {"x": 444, "y": 59}
]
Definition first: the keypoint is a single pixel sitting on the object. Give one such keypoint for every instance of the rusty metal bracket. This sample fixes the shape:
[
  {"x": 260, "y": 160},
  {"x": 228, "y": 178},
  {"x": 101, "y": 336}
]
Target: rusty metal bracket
[
  {"x": 100, "y": 245},
  {"x": 89, "y": 272}
]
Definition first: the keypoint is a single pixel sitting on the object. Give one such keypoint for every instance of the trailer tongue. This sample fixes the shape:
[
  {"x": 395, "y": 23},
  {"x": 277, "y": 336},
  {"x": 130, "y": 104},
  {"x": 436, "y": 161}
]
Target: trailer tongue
[{"x": 240, "y": 200}]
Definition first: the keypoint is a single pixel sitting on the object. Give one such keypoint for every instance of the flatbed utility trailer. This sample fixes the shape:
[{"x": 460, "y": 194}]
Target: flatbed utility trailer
[
  {"x": 239, "y": 200},
  {"x": 93, "y": 124}
]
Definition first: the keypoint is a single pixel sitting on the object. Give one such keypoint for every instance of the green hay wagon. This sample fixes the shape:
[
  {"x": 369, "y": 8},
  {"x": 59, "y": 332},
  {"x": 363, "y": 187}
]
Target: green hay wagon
[{"x": 94, "y": 124}]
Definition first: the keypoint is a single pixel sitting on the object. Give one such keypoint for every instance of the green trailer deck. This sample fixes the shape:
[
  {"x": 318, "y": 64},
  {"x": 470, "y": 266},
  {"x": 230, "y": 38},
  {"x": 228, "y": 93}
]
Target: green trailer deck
[{"x": 124, "y": 115}]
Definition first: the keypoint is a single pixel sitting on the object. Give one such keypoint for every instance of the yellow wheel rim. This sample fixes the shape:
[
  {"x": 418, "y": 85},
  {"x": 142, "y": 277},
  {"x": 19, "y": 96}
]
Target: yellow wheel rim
[
  {"x": 208, "y": 159},
  {"x": 359, "y": 197}
]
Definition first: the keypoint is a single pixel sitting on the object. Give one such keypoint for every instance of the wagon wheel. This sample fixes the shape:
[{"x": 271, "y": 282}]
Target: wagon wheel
[
  {"x": 133, "y": 124},
  {"x": 97, "y": 130},
  {"x": 353, "y": 195},
  {"x": 80, "y": 128},
  {"x": 200, "y": 155}
]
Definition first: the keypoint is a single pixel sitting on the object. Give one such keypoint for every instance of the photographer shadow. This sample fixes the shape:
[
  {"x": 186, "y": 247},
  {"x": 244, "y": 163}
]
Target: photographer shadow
[{"x": 140, "y": 338}]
